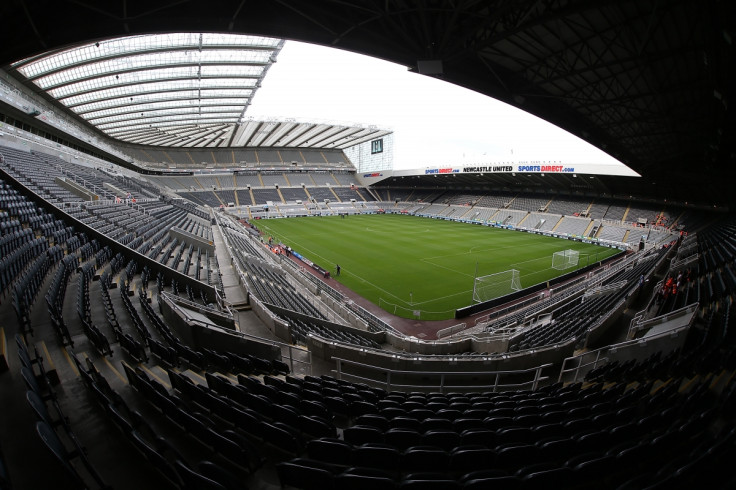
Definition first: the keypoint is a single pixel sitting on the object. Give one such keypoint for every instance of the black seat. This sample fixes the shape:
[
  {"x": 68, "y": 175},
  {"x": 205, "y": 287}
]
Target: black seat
[
  {"x": 555, "y": 478},
  {"x": 425, "y": 458},
  {"x": 285, "y": 413},
  {"x": 557, "y": 449},
  {"x": 435, "y": 423},
  {"x": 483, "y": 437},
  {"x": 405, "y": 422},
  {"x": 54, "y": 444},
  {"x": 426, "y": 484},
  {"x": 278, "y": 435},
  {"x": 306, "y": 474},
  {"x": 463, "y": 423},
  {"x": 520, "y": 435},
  {"x": 356, "y": 481},
  {"x": 516, "y": 456},
  {"x": 381, "y": 456},
  {"x": 194, "y": 480},
  {"x": 403, "y": 439},
  {"x": 373, "y": 420},
  {"x": 446, "y": 439},
  {"x": 391, "y": 412},
  {"x": 493, "y": 482},
  {"x": 361, "y": 434},
  {"x": 221, "y": 475},
  {"x": 421, "y": 413},
  {"x": 498, "y": 423},
  {"x": 362, "y": 407},
  {"x": 316, "y": 427},
  {"x": 155, "y": 454},
  {"x": 468, "y": 458},
  {"x": 594, "y": 467},
  {"x": 330, "y": 451}
]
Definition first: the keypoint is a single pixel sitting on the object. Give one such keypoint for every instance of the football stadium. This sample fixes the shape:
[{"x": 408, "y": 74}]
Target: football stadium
[{"x": 194, "y": 297}]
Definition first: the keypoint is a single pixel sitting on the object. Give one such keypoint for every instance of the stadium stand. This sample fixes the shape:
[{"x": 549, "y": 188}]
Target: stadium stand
[
  {"x": 542, "y": 221},
  {"x": 324, "y": 430},
  {"x": 573, "y": 226},
  {"x": 143, "y": 388}
]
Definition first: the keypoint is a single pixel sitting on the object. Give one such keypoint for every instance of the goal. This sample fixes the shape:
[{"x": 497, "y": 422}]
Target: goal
[
  {"x": 565, "y": 259},
  {"x": 493, "y": 286}
]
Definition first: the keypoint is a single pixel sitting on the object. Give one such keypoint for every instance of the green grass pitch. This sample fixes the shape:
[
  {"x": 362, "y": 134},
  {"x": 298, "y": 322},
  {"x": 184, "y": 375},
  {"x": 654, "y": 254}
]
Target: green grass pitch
[{"x": 408, "y": 264}]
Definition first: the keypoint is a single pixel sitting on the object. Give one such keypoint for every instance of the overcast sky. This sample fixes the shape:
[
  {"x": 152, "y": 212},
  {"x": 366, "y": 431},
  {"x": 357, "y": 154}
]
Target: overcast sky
[{"x": 434, "y": 122}]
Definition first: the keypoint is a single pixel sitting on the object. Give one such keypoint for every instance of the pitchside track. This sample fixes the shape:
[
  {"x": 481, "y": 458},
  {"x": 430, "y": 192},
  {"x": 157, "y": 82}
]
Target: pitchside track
[{"x": 421, "y": 267}]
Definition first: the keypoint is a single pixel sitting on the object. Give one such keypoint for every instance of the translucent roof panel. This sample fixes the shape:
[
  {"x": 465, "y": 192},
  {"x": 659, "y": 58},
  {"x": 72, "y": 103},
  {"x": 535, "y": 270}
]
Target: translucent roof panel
[
  {"x": 138, "y": 45},
  {"x": 185, "y": 116},
  {"x": 131, "y": 100},
  {"x": 179, "y": 80},
  {"x": 156, "y": 74},
  {"x": 160, "y": 106},
  {"x": 151, "y": 89}
]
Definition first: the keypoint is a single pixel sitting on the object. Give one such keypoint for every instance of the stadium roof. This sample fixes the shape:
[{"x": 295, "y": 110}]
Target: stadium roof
[
  {"x": 652, "y": 82},
  {"x": 178, "y": 90},
  {"x": 162, "y": 89}
]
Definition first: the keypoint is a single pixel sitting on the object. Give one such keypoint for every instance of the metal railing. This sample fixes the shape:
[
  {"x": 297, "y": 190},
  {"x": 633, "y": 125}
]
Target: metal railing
[
  {"x": 224, "y": 311},
  {"x": 443, "y": 377},
  {"x": 450, "y": 331}
]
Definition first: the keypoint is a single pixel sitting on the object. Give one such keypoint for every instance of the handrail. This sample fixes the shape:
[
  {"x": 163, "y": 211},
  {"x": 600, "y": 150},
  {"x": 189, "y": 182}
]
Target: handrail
[
  {"x": 452, "y": 330},
  {"x": 199, "y": 306},
  {"x": 443, "y": 375}
]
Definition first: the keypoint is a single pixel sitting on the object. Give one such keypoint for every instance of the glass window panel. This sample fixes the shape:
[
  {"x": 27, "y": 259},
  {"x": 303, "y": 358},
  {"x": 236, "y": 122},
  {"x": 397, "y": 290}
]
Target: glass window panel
[
  {"x": 155, "y": 75},
  {"x": 220, "y": 58},
  {"x": 152, "y": 89},
  {"x": 183, "y": 129},
  {"x": 207, "y": 117},
  {"x": 132, "y": 99},
  {"x": 161, "y": 105}
]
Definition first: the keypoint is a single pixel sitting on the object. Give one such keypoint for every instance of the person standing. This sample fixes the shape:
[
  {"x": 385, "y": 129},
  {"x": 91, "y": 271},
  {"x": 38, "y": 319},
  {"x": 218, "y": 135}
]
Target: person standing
[{"x": 337, "y": 269}]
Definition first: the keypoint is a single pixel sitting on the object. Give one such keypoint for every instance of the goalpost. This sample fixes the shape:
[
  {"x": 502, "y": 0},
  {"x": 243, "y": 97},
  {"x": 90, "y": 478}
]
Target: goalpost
[
  {"x": 565, "y": 259},
  {"x": 492, "y": 286}
]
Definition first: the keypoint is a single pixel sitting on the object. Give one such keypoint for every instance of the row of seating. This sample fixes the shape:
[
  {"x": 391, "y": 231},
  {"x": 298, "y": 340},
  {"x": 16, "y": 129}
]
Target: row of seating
[
  {"x": 29, "y": 284},
  {"x": 220, "y": 438},
  {"x": 173, "y": 351},
  {"x": 156, "y": 450},
  {"x": 40, "y": 393},
  {"x": 274, "y": 289},
  {"x": 55, "y": 298},
  {"x": 12, "y": 264},
  {"x": 614, "y": 440}
]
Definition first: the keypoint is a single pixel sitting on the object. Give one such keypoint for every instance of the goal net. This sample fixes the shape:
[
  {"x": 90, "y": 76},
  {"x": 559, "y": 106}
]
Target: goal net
[
  {"x": 565, "y": 259},
  {"x": 493, "y": 286}
]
